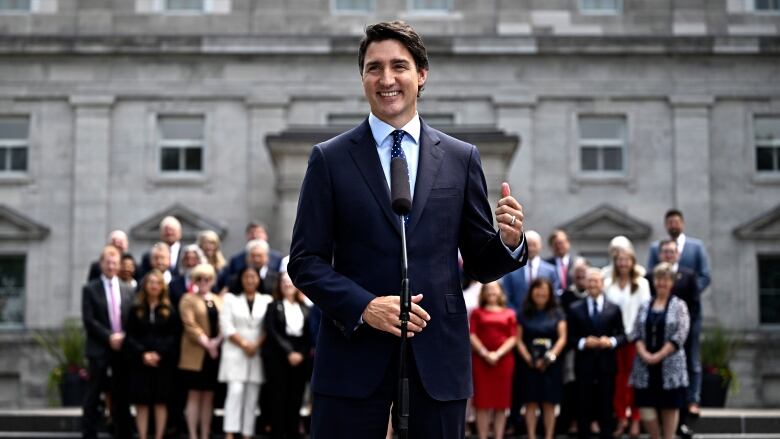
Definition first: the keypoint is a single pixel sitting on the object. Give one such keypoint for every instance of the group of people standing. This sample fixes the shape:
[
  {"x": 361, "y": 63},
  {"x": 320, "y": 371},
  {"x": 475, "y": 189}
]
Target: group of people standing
[
  {"x": 623, "y": 338},
  {"x": 191, "y": 328}
]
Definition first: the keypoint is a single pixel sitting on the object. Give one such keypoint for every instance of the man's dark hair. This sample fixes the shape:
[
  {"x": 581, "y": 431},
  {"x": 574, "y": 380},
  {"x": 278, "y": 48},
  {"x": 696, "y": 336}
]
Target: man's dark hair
[
  {"x": 255, "y": 225},
  {"x": 666, "y": 242},
  {"x": 673, "y": 212},
  {"x": 399, "y": 31}
]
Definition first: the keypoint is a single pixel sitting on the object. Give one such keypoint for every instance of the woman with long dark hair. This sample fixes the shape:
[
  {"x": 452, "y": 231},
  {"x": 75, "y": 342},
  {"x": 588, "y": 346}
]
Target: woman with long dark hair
[
  {"x": 541, "y": 339},
  {"x": 152, "y": 335}
]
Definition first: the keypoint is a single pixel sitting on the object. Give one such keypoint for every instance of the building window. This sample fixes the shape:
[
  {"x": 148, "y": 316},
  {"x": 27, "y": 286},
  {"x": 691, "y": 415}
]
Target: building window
[
  {"x": 16, "y": 5},
  {"x": 766, "y": 5},
  {"x": 607, "y": 7},
  {"x": 354, "y": 5},
  {"x": 184, "y": 5},
  {"x": 767, "y": 137},
  {"x": 181, "y": 143},
  {"x": 430, "y": 5},
  {"x": 14, "y": 141},
  {"x": 11, "y": 290},
  {"x": 602, "y": 141},
  {"x": 769, "y": 288}
]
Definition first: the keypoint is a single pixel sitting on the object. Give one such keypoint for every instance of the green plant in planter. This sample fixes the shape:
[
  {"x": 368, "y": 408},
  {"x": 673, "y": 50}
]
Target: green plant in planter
[
  {"x": 67, "y": 348},
  {"x": 717, "y": 349}
]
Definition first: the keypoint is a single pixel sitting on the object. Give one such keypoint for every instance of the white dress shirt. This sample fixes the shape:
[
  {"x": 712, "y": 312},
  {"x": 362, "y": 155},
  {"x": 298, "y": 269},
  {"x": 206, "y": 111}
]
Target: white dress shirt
[
  {"x": 680, "y": 243},
  {"x": 175, "y": 253}
]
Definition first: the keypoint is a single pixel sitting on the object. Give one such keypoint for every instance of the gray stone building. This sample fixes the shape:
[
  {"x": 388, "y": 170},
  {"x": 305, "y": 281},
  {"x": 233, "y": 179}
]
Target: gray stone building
[{"x": 601, "y": 114}]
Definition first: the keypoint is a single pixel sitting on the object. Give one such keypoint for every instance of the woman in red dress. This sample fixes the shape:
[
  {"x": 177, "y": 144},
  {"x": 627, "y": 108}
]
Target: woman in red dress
[{"x": 493, "y": 335}]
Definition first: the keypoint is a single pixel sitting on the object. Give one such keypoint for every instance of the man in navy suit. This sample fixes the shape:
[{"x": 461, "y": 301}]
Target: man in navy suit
[
  {"x": 346, "y": 254},
  {"x": 595, "y": 330},
  {"x": 562, "y": 258},
  {"x": 516, "y": 283},
  {"x": 693, "y": 254}
]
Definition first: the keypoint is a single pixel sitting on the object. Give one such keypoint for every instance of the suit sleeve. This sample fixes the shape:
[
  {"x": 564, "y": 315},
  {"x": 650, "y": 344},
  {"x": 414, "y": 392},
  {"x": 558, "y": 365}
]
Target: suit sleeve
[
  {"x": 187, "y": 315},
  {"x": 485, "y": 257},
  {"x": 703, "y": 278},
  {"x": 92, "y": 324},
  {"x": 311, "y": 251}
]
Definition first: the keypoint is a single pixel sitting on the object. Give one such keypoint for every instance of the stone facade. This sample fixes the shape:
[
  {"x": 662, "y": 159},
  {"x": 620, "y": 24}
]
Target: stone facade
[{"x": 271, "y": 78}]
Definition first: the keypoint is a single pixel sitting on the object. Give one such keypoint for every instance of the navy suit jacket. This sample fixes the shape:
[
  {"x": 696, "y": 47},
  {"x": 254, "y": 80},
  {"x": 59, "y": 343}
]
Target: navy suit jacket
[
  {"x": 94, "y": 315},
  {"x": 516, "y": 287},
  {"x": 592, "y": 363},
  {"x": 694, "y": 257},
  {"x": 346, "y": 250}
]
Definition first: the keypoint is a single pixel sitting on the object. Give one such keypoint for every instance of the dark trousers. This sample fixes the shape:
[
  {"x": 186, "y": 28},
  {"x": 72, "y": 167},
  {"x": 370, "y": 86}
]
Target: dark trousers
[
  {"x": 285, "y": 386},
  {"x": 117, "y": 385},
  {"x": 335, "y": 417},
  {"x": 569, "y": 408},
  {"x": 598, "y": 393}
]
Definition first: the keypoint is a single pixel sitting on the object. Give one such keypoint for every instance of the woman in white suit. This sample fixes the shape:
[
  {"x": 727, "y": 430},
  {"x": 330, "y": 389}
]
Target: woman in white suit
[{"x": 241, "y": 321}]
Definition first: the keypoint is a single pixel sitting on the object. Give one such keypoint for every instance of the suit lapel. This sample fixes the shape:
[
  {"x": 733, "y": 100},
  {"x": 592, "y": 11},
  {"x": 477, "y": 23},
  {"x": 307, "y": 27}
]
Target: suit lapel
[
  {"x": 431, "y": 156},
  {"x": 364, "y": 153}
]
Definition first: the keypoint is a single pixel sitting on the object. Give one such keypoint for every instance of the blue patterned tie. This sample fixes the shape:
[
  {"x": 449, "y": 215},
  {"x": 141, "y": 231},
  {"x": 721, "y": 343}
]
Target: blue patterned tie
[{"x": 397, "y": 151}]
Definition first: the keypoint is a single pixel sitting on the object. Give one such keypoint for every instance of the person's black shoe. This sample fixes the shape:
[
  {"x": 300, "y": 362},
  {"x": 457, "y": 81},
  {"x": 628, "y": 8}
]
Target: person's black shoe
[{"x": 685, "y": 432}]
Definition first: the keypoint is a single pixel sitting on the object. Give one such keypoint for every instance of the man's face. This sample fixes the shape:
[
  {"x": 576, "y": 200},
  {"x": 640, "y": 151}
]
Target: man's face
[
  {"x": 674, "y": 226},
  {"x": 595, "y": 284},
  {"x": 161, "y": 260},
  {"x": 560, "y": 245},
  {"x": 391, "y": 81},
  {"x": 581, "y": 277},
  {"x": 258, "y": 257},
  {"x": 109, "y": 264},
  {"x": 668, "y": 253},
  {"x": 534, "y": 247},
  {"x": 119, "y": 242},
  {"x": 170, "y": 234},
  {"x": 190, "y": 260},
  {"x": 256, "y": 233},
  {"x": 126, "y": 269}
]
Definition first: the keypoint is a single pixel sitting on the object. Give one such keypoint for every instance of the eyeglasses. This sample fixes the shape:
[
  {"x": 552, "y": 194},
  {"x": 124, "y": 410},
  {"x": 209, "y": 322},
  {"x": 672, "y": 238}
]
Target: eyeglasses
[{"x": 204, "y": 279}]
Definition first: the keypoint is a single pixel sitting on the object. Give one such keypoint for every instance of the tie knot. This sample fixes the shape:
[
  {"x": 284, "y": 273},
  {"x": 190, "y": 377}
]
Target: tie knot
[{"x": 398, "y": 136}]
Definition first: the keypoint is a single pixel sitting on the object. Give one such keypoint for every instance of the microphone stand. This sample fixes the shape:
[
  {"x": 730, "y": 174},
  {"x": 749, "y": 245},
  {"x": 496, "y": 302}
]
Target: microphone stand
[{"x": 406, "y": 307}]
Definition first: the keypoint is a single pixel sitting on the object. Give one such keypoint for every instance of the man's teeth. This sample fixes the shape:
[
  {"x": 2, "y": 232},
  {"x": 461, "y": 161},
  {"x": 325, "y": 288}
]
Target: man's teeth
[{"x": 388, "y": 94}]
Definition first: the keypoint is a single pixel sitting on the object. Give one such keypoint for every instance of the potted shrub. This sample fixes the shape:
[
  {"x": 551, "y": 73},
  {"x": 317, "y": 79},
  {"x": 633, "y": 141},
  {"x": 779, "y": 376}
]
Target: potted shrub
[
  {"x": 717, "y": 349},
  {"x": 69, "y": 376}
]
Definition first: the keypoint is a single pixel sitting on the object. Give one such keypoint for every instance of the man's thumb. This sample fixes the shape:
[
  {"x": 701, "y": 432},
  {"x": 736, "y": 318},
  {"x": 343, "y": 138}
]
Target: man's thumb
[
  {"x": 505, "y": 191},
  {"x": 417, "y": 298}
]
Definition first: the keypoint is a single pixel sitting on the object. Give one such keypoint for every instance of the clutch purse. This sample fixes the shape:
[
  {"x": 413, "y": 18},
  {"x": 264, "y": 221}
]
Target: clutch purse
[{"x": 539, "y": 347}]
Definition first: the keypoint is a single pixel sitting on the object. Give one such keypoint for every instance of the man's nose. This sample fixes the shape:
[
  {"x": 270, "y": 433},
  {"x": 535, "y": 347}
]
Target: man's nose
[{"x": 386, "y": 77}]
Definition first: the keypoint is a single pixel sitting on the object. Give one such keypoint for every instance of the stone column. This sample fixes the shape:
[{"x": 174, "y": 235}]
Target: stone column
[
  {"x": 91, "y": 191},
  {"x": 267, "y": 115}
]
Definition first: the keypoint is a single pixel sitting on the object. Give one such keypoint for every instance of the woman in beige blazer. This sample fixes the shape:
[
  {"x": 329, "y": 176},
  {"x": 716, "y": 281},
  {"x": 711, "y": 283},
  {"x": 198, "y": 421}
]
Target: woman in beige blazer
[{"x": 199, "y": 359}]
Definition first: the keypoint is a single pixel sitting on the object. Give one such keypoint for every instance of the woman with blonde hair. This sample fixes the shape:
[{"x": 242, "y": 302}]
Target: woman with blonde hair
[
  {"x": 209, "y": 242},
  {"x": 199, "y": 359},
  {"x": 629, "y": 290},
  {"x": 152, "y": 334}
]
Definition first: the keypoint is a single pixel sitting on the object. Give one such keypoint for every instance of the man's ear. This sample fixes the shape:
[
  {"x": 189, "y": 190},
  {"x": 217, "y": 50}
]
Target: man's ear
[{"x": 422, "y": 76}]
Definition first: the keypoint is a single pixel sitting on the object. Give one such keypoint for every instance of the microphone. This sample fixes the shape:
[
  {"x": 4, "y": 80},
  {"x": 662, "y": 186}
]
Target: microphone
[{"x": 399, "y": 186}]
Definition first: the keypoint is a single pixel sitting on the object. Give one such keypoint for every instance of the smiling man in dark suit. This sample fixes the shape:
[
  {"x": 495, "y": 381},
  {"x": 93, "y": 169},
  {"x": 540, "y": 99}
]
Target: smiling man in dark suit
[
  {"x": 105, "y": 305},
  {"x": 595, "y": 330},
  {"x": 346, "y": 254}
]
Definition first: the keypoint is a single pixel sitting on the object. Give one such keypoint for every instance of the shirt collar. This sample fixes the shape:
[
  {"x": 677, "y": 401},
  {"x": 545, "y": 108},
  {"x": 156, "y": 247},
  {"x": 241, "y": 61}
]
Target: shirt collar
[{"x": 380, "y": 129}]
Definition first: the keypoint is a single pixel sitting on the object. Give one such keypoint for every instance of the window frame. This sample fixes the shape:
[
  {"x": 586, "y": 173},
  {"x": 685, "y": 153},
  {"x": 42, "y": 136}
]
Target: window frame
[
  {"x": 601, "y": 144},
  {"x": 751, "y": 7},
  {"x": 7, "y": 144},
  {"x": 427, "y": 11},
  {"x": 759, "y": 289},
  {"x": 337, "y": 11},
  {"x": 774, "y": 144},
  {"x": 181, "y": 145},
  {"x": 588, "y": 11},
  {"x": 4, "y": 326},
  {"x": 34, "y": 7}
]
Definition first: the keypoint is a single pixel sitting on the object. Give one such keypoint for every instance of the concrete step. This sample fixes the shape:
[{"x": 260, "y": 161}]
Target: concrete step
[{"x": 54, "y": 423}]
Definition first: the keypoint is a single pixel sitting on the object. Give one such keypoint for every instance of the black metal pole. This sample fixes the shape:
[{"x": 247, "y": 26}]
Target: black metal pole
[{"x": 406, "y": 307}]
